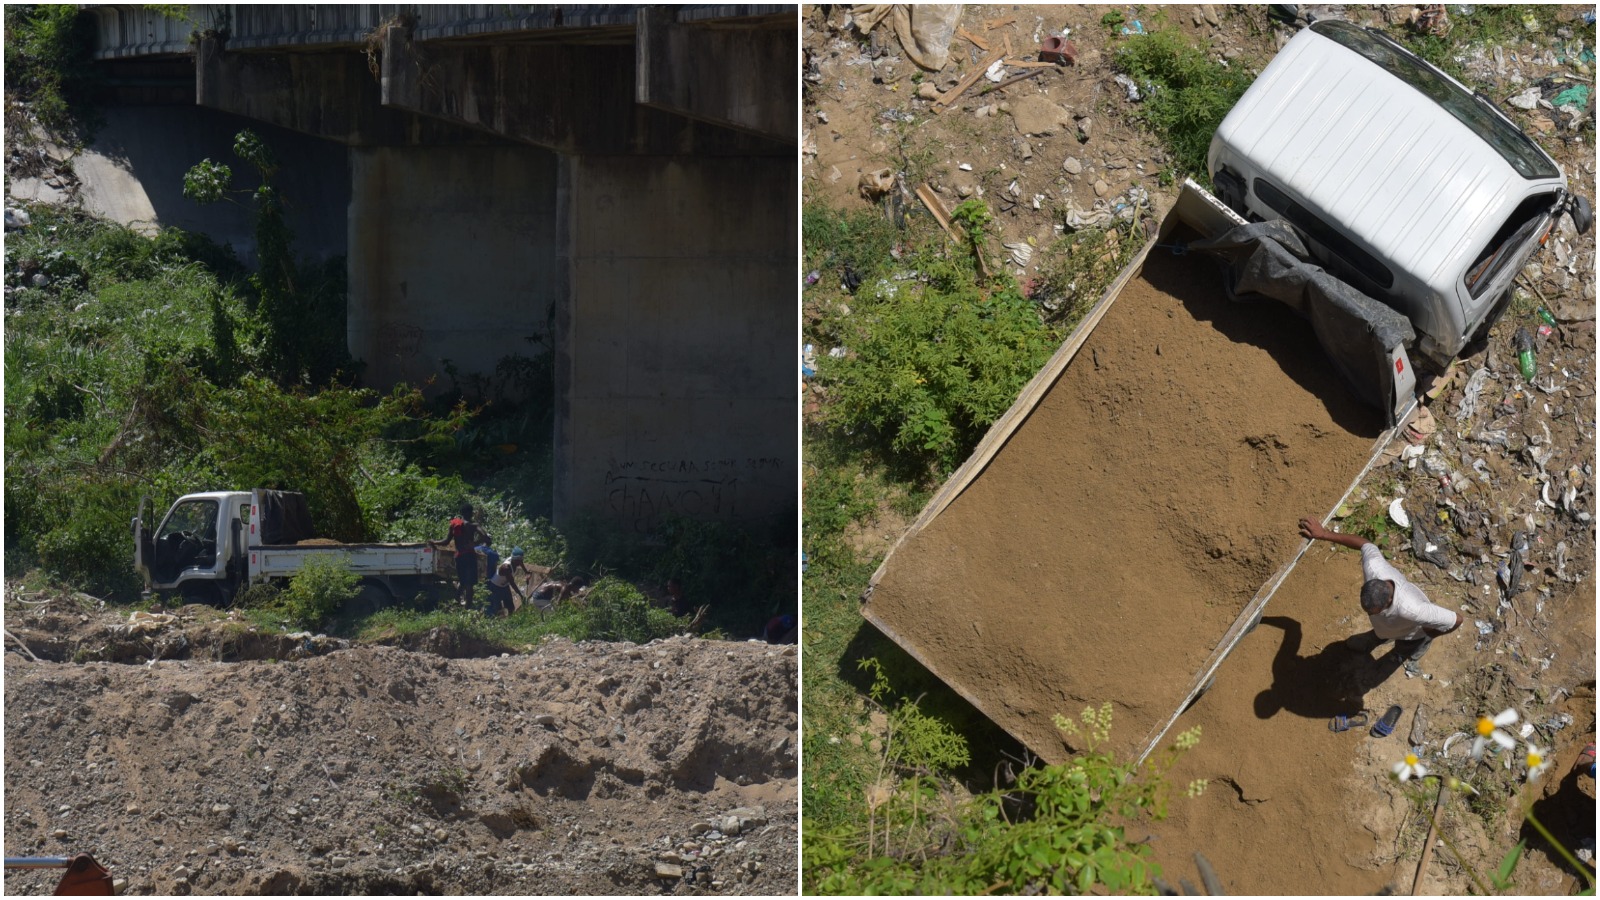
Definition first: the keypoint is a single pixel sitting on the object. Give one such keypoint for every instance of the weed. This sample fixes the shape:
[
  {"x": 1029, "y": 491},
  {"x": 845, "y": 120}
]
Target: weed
[
  {"x": 1485, "y": 26},
  {"x": 931, "y": 363},
  {"x": 50, "y": 70},
  {"x": 1051, "y": 832},
  {"x": 1189, "y": 93},
  {"x": 1075, "y": 270},
  {"x": 317, "y": 591}
]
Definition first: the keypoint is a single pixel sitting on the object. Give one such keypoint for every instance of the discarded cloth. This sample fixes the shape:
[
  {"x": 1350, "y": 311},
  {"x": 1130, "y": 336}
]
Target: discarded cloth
[{"x": 924, "y": 30}]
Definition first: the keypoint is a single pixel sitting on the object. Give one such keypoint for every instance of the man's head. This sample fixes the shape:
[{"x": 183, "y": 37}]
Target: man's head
[
  {"x": 1376, "y": 595},
  {"x": 466, "y": 511},
  {"x": 516, "y": 554}
]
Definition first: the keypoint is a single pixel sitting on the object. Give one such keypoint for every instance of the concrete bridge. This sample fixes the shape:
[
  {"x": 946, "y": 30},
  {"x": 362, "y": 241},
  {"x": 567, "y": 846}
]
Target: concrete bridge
[{"x": 617, "y": 183}]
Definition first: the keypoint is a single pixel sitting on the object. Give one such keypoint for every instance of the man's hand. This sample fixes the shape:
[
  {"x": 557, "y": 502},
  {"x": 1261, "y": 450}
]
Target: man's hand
[{"x": 1312, "y": 530}]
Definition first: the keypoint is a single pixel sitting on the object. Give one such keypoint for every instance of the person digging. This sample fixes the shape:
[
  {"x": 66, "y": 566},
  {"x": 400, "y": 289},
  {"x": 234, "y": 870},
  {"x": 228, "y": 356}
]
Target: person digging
[{"x": 1398, "y": 609}]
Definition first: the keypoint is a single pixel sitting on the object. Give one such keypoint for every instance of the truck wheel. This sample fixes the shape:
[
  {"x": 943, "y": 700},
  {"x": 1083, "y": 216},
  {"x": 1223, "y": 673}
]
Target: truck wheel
[
  {"x": 203, "y": 593},
  {"x": 370, "y": 599}
]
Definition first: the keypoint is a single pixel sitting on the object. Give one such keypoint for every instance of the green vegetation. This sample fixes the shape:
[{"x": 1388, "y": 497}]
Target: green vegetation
[
  {"x": 50, "y": 75},
  {"x": 897, "y": 768},
  {"x": 1188, "y": 93},
  {"x": 1485, "y": 26},
  {"x": 613, "y": 610},
  {"x": 931, "y": 358},
  {"x": 1049, "y": 833},
  {"x": 156, "y": 366},
  {"x": 1074, "y": 272},
  {"x": 301, "y": 309},
  {"x": 317, "y": 592}
]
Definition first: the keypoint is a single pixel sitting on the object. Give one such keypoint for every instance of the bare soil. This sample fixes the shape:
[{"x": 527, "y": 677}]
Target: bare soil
[
  {"x": 327, "y": 768},
  {"x": 1291, "y": 808}
]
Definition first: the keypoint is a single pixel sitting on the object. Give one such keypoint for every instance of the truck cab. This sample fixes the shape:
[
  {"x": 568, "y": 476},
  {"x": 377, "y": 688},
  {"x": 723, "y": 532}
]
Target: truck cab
[
  {"x": 212, "y": 544},
  {"x": 198, "y": 548},
  {"x": 1406, "y": 184}
]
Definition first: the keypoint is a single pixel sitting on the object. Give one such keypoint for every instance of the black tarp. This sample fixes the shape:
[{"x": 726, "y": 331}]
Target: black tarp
[
  {"x": 1270, "y": 259},
  {"x": 285, "y": 518}
]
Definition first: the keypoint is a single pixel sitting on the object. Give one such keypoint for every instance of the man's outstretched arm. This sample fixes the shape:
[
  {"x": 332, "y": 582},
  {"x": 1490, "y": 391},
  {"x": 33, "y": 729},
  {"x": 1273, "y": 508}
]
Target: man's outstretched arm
[{"x": 1312, "y": 529}]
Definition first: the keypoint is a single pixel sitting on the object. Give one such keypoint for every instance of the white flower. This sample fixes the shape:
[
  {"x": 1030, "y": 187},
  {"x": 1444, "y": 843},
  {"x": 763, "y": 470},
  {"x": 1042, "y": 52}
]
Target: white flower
[
  {"x": 1410, "y": 768},
  {"x": 1489, "y": 730},
  {"x": 1538, "y": 761}
]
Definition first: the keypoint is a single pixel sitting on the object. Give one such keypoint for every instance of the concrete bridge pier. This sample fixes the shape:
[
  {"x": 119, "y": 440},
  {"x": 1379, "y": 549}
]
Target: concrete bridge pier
[{"x": 621, "y": 189}]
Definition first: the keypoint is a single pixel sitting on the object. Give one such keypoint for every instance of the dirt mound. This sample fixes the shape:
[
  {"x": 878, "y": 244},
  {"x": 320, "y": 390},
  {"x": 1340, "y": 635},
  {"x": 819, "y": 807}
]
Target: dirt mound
[{"x": 576, "y": 768}]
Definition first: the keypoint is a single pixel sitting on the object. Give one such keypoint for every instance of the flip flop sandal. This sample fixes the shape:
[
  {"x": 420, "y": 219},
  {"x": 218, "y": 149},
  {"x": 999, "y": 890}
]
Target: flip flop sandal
[
  {"x": 1345, "y": 723},
  {"x": 1385, "y": 725}
]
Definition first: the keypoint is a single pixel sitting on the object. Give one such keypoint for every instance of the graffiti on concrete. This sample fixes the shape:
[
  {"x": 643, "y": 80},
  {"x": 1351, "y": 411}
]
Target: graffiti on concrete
[
  {"x": 401, "y": 340},
  {"x": 639, "y": 493}
]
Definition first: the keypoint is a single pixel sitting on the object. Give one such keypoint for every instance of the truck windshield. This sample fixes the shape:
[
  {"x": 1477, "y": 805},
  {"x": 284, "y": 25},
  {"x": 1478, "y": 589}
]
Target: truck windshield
[
  {"x": 1518, "y": 149},
  {"x": 197, "y": 517}
]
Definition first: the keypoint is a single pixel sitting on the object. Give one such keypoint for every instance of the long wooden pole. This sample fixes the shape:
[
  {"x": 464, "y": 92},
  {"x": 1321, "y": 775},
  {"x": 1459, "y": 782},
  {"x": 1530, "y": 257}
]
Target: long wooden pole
[{"x": 1427, "y": 846}]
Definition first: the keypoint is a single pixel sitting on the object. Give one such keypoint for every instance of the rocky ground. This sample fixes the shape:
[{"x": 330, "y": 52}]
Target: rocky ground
[
  {"x": 306, "y": 765},
  {"x": 1494, "y": 459}
]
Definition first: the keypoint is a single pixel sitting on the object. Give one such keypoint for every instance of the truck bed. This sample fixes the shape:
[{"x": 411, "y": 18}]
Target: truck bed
[
  {"x": 280, "y": 560},
  {"x": 1115, "y": 528}
]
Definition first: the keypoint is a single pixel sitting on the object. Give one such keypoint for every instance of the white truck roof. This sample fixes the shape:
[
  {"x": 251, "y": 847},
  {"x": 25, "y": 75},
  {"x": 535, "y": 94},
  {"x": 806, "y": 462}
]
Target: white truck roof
[{"x": 1421, "y": 189}]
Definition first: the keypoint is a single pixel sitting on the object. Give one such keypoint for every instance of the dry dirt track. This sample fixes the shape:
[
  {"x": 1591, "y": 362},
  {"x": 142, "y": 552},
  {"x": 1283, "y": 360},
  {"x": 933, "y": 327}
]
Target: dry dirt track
[{"x": 577, "y": 768}]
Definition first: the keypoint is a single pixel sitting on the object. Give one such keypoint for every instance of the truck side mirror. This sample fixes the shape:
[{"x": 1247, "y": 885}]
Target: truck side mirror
[{"x": 1582, "y": 214}]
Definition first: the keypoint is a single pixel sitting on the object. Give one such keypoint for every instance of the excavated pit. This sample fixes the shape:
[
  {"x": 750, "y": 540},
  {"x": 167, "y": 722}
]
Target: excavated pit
[{"x": 1105, "y": 550}]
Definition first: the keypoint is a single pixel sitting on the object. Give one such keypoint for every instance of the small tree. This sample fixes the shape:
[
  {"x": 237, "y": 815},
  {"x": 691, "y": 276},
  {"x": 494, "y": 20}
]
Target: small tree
[{"x": 302, "y": 312}]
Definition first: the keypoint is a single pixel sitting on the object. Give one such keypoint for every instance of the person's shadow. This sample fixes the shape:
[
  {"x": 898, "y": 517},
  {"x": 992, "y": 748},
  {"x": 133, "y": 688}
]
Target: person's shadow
[{"x": 1331, "y": 683}]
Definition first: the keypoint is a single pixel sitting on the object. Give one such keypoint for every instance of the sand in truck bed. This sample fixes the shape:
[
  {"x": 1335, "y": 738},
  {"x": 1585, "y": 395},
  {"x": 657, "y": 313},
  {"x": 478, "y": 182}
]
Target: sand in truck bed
[{"x": 1124, "y": 526}]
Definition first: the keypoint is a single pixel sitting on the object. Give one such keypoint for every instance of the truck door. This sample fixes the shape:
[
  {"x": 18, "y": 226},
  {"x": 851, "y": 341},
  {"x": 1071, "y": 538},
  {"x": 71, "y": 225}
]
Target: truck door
[{"x": 187, "y": 539}]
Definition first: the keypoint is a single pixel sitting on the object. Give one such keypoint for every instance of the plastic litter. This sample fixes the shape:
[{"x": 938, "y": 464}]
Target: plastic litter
[
  {"x": 808, "y": 361},
  {"x": 1578, "y": 96},
  {"x": 1397, "y": 512},
  {"x": 1470, "y": 394},
  {"x": 1528, "y": 99},
  {"x": 813, "y": 276},
  {"x": 924, "y": 30},
  {"x": 1523, "y": 341},
  {"x": 996, "y": 72},
  {"x": 1133, "y": 89}
]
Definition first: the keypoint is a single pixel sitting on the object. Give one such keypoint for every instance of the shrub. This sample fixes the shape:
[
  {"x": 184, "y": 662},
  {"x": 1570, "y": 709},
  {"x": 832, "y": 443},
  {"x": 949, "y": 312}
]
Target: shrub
[
  {"x": 318, "y": 590},
  {"x": 614, "y": 610},
  {"x": 1189, "y": 93},
  {"x": 929, "y": 364},
  {"x": 1051, "y": 833},
  {"x": 49, "y": 67}
]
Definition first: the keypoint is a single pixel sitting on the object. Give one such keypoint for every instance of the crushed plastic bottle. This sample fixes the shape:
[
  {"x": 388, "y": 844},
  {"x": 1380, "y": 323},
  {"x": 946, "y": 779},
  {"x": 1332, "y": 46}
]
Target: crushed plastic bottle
[{"x": 1523, "y": 341}]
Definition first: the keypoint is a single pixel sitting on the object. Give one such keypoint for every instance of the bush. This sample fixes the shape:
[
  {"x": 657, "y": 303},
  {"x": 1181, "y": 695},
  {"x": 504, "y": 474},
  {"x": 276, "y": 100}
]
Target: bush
[
  {"x": 49, "y": 68},
  {"x": 315, "y": 593},
  {"x": 614, "y": 610},
  {"x": 1051, "y": 833},
  {"x": 132, "y": 369},
  {"x": 930, "y": 364},
  {"x": 1189, "y": 93}
]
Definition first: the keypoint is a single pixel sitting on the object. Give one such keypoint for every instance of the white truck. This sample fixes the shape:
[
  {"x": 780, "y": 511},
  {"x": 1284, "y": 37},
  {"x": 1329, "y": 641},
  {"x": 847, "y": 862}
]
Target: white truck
[
  {"x": 211, "y": 545},
  {"x": 1387, "y": 205},
  {"x": 1406, "y": 184}
]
